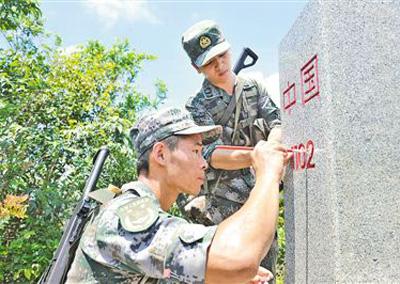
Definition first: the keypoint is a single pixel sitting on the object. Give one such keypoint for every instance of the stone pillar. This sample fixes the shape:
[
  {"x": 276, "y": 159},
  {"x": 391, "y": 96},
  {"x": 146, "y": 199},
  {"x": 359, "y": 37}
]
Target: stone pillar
[{"x": 340, "y": 92}]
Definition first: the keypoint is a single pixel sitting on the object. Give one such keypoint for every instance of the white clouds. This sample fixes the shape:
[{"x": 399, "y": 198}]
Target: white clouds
[
  {"x": 271, "y": 83},
  {"x": 195, "y": 17},
  {"x": 70, "y": 49},
  {"x": 111, "y": 11}
]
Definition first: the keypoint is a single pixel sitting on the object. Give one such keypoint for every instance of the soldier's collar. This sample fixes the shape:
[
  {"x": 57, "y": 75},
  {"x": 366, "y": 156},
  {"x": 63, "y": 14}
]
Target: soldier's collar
[
  {"x": 140, "y": 188},
  {"x": 210, "y": 91},
  {"x": 208, "y": 88},
  {"x": 206, "y": 84}
]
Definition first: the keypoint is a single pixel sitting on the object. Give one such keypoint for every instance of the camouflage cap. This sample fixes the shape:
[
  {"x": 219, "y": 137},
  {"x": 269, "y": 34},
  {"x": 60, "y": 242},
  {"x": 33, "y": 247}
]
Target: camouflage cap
[
  {"x": 158, "y": 125},
  {"x": 203, "y": 41}
]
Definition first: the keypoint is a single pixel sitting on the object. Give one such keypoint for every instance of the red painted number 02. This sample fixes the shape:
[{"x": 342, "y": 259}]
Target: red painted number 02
[{"x": 303, "y": 156}]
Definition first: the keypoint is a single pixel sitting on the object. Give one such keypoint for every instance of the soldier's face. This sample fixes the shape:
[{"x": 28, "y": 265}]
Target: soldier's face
[
  {"x": 186, "y": 165},
  {"x": 218, "y": 69}
]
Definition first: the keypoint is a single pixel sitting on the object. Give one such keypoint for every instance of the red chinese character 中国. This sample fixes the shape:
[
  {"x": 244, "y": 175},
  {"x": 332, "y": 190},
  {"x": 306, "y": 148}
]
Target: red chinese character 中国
[
  {"x": 309, "y": 80},
  {"x": 289, "y": 96}
]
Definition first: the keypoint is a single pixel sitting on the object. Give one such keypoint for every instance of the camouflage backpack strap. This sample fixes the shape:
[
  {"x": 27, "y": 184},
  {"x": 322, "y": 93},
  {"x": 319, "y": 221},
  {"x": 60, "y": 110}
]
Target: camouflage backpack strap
[
  {"x": 259, "y": 129},
  {"x": 138, "y": 188},
  {"x": 228, "y": 112},
  {"x": 237, "y": 94},
  {"x": 105, "y": 194},
  {"x": 237, "y": 99},
  {"x": 239, "y": 90},
  {"x": 251, "y": 128}
]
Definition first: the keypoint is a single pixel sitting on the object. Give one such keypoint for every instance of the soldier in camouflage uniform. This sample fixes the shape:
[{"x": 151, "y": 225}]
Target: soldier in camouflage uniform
[
  {"x": 254, "y": 117},
  {"x": 131, "y": 238}
]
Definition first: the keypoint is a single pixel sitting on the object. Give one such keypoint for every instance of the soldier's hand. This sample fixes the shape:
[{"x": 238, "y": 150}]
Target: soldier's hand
[
  {"x": 269, "y": 158},
  {"x": 263, "y": 276}
]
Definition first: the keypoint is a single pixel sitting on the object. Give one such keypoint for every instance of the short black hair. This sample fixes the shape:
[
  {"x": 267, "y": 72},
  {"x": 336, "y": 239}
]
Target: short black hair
[{"x": 142, "y": 165}]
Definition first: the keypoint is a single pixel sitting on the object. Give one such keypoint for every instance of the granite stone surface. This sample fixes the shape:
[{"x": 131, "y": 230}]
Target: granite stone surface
[{"x": 339, "y": 82}]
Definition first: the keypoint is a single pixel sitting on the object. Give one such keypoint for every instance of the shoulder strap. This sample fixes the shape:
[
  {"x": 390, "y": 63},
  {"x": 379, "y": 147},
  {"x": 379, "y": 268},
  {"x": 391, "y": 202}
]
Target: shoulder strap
[
  {"x": 239, "y": 100},
  {"x": 233, "y": 102},
  {"x": 236, "y": 100},
  {"x": 236, "y": 125},
  {"x": 228, "y": 112},
  {"x": 105, "y": 194}
]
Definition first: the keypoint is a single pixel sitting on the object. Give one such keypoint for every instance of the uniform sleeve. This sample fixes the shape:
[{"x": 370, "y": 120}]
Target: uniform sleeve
[
  {"x": 267, "y": 108},
  {"x": 202, "y": 117},
  {"x": 170, "y": 249}
]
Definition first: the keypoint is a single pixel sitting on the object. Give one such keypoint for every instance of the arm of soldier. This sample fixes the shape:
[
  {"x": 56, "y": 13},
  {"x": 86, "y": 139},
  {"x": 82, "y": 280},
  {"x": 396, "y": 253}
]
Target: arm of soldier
[
  {"x": 270, "y": 112},
  {"x": 243, "y": 239},
  {"x": 225, "y": 160},
  {"x": 230, "y": 159}
]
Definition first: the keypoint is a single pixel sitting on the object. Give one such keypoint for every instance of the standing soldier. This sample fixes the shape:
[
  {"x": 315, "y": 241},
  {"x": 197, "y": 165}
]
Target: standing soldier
[{"x": 246, "y": 112}]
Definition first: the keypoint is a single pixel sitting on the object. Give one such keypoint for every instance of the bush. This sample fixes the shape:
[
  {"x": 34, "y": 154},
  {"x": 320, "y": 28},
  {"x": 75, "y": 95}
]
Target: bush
[{"x": 56, "y": 110}]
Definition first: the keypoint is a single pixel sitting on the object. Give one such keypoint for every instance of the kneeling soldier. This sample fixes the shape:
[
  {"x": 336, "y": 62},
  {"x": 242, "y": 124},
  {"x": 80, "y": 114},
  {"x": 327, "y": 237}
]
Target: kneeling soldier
[{"x": 132, "y": 239}]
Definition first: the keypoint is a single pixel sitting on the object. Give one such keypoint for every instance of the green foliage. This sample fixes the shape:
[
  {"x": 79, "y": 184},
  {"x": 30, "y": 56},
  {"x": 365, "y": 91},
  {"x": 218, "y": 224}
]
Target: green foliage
[
  {"x": 20, "y": 21},
  {"x": 175, "y": 211},
  {"x": 280, "y": 267},
  {"x": 56, "y": 110},
  {"x": 17, "y": 15}
]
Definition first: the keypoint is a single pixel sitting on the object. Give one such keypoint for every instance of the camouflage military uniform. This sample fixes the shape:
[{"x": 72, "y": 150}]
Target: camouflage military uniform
[
  {"x": 227, "y": 191},
  {"x": 207, "y": 107},
  {"x": 131, "y": 240}
]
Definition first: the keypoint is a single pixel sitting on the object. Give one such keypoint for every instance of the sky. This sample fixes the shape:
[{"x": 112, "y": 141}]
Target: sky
[{"x": 156, "y": 27}]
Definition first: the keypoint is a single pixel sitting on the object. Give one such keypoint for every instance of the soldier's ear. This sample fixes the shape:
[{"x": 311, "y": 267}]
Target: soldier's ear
[
  {"x": 159, "y": 153},
  {"x": 197, "y": 68}
]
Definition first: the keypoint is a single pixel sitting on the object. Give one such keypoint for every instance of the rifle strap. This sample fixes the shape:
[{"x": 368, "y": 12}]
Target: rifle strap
[
  {"x": 239, "y": 98},
  {"x": 235, "y": 98},
  {"x": 237, "y": 114}
]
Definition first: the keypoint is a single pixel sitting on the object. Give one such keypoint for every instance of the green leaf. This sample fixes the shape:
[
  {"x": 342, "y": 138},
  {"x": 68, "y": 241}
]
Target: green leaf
[
  {"x": 58, "y": 41},
  {"x": 27, "y": 273}
]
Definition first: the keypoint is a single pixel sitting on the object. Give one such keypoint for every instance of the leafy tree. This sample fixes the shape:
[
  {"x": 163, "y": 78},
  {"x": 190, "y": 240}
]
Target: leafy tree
[
  {"x": 56, "y": 110},
  {"x": 20, "y": 21}
]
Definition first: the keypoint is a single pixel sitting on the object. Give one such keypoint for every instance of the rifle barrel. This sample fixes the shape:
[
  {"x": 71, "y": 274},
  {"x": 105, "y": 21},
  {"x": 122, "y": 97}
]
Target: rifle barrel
[{"x": 60, "y": 263}]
